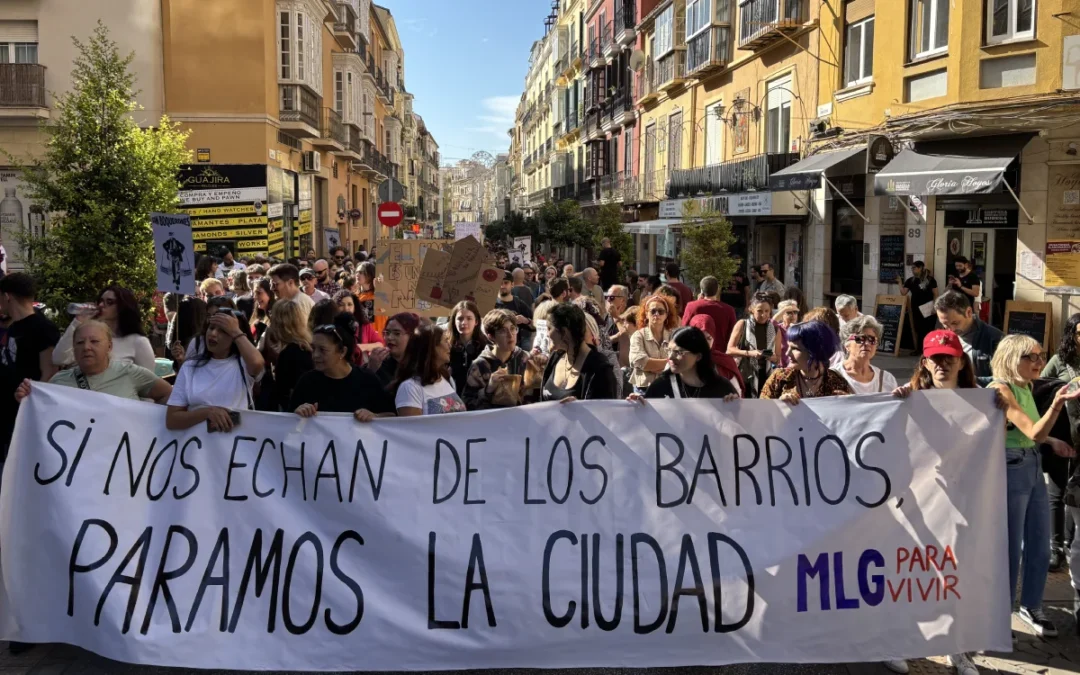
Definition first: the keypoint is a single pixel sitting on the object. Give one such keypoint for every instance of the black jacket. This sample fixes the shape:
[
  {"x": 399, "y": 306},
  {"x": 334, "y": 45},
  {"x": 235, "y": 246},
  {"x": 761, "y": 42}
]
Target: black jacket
[{"x": 597, "y": 380}]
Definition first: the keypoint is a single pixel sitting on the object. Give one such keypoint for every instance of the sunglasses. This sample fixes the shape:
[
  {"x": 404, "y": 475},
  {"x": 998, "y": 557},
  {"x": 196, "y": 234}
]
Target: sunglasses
[
  {"x": 339, "y": 257},
  {"x": 1034, "y": 358},
  {"x": 612, "y": 297},
  {"x": 863, "y": 340},
  {"x": 656, "y": 311}
]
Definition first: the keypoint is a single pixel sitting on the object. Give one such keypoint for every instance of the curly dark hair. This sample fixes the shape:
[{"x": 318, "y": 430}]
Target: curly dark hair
[
  {"x": 571, "y": 318},
  {"x": 1067, "y": 349},
  {"x": 358, "y": 311}
]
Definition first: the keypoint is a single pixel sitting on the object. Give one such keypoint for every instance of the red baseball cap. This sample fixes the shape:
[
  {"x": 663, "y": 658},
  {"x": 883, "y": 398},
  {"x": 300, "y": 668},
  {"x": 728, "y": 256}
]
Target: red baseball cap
[{"x": 942, "y": 342}]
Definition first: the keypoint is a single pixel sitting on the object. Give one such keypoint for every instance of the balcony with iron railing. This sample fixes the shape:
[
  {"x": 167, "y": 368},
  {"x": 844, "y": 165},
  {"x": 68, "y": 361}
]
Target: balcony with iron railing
[
  {"x": 645, "y": 91},
  {"x": 596, "y": 57},
  {"x": 539, "y": 197},
  {"x": 762, "y": 22},
  {"x": 744, "y": 175},
  {"x": 332, "y": 132},
  {"x": 573, "y": 119},
  {"x": 22, "y": 85},
  {"x": 671, "y": 70},
  {"x": 300, "y": 109},
  {"x": 709, "y": 51},
  {"x": 345, "y": 24},
  {"x": 625, "y": 26},
  {"x": 607, "y": 37},
  {"x": 611, "y": 187}
]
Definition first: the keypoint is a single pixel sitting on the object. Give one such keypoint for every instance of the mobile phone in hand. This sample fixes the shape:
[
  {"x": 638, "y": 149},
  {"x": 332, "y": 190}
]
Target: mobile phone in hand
[{"x": 233, "y": 415}]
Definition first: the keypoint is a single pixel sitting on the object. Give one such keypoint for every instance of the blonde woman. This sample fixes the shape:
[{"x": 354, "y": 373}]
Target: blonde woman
[
  {"x": 288, "y": 349},
  {"x": 657, "y": 317},
  {"x": 787, "y": 314},
  {"x": 1016, "y": 363}
]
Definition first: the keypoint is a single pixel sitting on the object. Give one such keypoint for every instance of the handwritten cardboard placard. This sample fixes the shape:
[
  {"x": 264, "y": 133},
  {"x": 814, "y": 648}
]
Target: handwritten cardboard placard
[
  {"x": 465, "y": 272},
  {"x": 398, "y": 265}
]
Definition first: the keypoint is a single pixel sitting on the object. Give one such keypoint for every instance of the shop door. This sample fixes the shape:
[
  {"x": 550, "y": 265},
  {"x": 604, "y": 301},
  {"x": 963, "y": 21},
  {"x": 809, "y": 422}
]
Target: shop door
[{"x": 992, "y": 252}]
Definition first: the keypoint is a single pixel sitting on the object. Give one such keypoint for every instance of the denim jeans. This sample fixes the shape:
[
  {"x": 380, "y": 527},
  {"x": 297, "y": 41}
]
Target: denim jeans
[{"x": 1029, "y": 525}]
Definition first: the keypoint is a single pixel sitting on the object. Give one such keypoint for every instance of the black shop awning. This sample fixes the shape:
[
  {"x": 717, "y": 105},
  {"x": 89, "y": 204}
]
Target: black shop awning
[
  {"x": 807, "y": 174},
  {"x": 972, "y": 166}
]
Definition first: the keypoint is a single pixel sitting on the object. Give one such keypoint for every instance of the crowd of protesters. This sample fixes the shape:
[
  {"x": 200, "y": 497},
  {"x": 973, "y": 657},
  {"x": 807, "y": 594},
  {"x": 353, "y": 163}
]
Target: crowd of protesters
[{"x": 304, "y": 337}]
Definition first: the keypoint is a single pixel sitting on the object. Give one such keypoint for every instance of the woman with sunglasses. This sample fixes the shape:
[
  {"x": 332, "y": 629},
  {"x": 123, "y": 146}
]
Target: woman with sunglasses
[
  {"x": 810, "y": 346},
  {"x": 690, "y": 371},
  {"x": 467, "y": 341},
  {"x": 860, "y": 338},
  {"x": 218, "y": 378},
  {"x": 383, "y": 361},
  {"x": 492, "y": 375},
  {"x": 648, "y": 345},
  {"x": 787, "y": 314},
  {"x": 424, "y": 385},
  {"x": 118, "y": 309},
  {"x": 1017, "y": 362},
  {"x": 755, "y": 343},
  {"x": 336, "y": 385}
]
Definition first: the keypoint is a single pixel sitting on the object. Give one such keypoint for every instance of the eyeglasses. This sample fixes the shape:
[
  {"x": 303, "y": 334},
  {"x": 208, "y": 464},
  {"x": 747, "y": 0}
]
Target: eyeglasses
[
  {"x": 677, "y": 353},
  {"x": 1034, "y": 358},
  {"x": 392, "y": 333},
  {"x": 863, "y": 340},
  {"x": 509, "y": 330}
]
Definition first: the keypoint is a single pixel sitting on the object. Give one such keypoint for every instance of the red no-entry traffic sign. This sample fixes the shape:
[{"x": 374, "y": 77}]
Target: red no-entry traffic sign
[{"x": 391, "y": 214}]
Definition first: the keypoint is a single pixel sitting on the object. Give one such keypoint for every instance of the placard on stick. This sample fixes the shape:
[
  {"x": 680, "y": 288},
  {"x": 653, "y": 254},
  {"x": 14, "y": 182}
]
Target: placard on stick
[
  {"x": 398, "y": 267},
  {"x": 465, "y": 272},
  {"x": 891, "y": 313},
  {"x": 1033, "y": 319},
  {"x": 174, "y": 252}
]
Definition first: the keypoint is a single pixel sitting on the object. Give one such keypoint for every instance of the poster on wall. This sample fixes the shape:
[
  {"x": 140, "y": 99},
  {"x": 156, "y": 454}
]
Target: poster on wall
[
  {"x": 18, "y": 214},
  {"x": 1063, "y": 203},
  {"x": 1062, "y": 267}
]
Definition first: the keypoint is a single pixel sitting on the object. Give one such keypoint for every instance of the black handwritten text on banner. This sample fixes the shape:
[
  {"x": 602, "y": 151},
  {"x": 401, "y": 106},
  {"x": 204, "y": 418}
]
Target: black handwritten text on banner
[{"x": 600, "y": 534}]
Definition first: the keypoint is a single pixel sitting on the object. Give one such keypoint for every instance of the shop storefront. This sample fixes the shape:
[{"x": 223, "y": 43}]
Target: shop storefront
[{"x": 967, "y": 192}]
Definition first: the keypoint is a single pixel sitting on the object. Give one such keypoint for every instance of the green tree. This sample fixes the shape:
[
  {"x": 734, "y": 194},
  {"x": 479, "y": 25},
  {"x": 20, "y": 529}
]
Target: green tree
[
  {"x": 99, "y": 179},
  {"x": 561, "y": 224},
  {"x": 707, "y": 242},
  {"x": 608, "y": 225}
]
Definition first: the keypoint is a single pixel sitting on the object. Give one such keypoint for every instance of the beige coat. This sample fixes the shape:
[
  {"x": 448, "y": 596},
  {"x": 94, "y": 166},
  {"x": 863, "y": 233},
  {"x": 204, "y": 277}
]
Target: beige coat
[{"x": 643, "y": 346}]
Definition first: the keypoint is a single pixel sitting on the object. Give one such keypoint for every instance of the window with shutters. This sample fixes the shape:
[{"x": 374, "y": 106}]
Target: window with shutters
[
  {"x": 778, "y": 116},
  {"x": 628, "y": 152},
  {"x": 929, "y": 27},
  {"x": 299, "y": 46},
  {"x": 859, "y": 53},
  {"x": 1008, "y": 20},
  {"x": 286, "y": 46},
  {"x": 18, "y": 52},
  {"x": 339, "y": 92},
  {"x": 665, "y": 32}
]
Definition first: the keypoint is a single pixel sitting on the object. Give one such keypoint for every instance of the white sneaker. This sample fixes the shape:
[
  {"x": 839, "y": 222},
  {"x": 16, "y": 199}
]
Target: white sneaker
[
  {"x": 963, "y": 664},
  {"x": 897, "y": 666}
]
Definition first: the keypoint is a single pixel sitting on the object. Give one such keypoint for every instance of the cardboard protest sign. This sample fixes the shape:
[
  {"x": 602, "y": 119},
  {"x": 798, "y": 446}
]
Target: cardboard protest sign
[
  {"x": 465, "y": 272},
  {"x": 599, "y": 534},
  {"x": 174, "y": 253},
  {"x": 398, "y": 265}
]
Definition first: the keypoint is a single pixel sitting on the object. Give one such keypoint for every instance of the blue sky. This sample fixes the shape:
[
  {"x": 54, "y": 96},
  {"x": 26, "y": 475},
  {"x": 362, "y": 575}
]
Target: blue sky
[{"x": 465, "y": 62}]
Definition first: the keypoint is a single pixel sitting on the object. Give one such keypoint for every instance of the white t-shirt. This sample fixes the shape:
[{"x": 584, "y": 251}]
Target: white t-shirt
[
  {"x": 316, "y": 296},
  {"x": 433, "y": 399},
  {"x": 218, "y": 382},
  {"x": 883, "y": 381},
  {"x": 223, "y": 271}
]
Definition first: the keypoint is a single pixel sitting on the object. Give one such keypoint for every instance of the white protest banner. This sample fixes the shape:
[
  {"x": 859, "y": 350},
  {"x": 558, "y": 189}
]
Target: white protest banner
[
  {"x": 174, "y": 253},
  {"x": 462, "y": 230},
  {"x": 584, "y": 535}
]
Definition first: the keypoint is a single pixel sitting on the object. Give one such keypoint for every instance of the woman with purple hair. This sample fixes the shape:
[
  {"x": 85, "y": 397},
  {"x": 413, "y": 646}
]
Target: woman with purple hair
[{"x": 810, "y": 346}]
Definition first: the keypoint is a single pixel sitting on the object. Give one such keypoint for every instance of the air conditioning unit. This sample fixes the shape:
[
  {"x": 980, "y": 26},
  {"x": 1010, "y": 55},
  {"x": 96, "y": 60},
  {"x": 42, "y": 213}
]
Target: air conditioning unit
[{"x": 312, "y": 162}]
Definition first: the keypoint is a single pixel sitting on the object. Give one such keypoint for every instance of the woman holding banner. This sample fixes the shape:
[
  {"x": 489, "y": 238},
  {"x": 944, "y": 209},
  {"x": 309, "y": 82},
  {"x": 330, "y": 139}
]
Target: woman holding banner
[
  {"x": 810, "y": 346},
  {"x": 690, "y": 371},
  {"x": 287, "y": 349},
  {"x": 335, "y": 385},
  {"x": 95, "y": 370},
  {"x": 467, "y": 341},
  {"x": 1016, "y": 363},
  {"x": 575, "y": 371},
  {"x": 860, "y": 338},
  {"x": 424, "y": 385},
  {"x": 219, "y": 378}
]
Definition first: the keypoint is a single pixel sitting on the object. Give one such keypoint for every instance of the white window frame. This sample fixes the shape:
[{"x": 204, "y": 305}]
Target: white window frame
[
  {"x": 1012, "y": 34},
  {"x": 9, "y": 52},
  {"x": 285, "y": 45},
  {"x": 863, "y": 46},
  {"x": 665, "y": 32},
  {"x": 298, "y": 26},
  {"x": 714, "y": 133},
  {"x": 778, "y": 97},
  {"x": 699, "y": 14},
  {"x": 931, "y": 7},
  {"x": 339, "y": 93}
]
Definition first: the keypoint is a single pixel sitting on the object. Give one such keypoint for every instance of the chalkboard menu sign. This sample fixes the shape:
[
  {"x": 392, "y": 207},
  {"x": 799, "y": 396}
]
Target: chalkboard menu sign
[
  {"x": 890, "y": 311},
  {"x": 892, "y": 258},
  {"x": 1029, "y": 318}
]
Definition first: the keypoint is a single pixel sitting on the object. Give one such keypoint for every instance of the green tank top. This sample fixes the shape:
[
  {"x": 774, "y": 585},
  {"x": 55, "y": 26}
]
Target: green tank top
[{"x": 1014, "y": 438}]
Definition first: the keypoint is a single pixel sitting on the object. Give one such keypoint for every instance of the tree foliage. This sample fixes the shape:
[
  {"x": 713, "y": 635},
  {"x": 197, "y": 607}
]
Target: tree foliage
[
  {"x": 707, "y": 242},
  {"x": 561, "y": 224},
  {"x": 607, "y": 224},
  {"x": 501, "y": 233},
  {"x": 99, "y": 179}
]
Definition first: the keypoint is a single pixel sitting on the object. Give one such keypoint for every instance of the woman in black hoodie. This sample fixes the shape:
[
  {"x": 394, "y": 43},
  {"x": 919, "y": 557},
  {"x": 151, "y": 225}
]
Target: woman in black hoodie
[
  {"x": 467, "y": 341},
  {"x": 575, "y": 370}
]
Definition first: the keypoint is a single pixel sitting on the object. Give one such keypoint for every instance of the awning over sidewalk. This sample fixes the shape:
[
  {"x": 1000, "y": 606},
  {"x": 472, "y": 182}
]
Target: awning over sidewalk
[
  {"x": 972, "y": 166},
  {"x": 807, "y": 174},
  {"x": 650, "y": 226}
]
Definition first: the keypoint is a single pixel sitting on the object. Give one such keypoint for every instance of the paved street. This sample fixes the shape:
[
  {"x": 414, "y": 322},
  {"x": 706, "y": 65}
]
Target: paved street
[{"x": 1033, "y": 656}]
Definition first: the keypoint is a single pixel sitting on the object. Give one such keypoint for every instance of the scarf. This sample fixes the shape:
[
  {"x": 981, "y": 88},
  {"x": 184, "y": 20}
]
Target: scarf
[{"x": 750, "y": 335}]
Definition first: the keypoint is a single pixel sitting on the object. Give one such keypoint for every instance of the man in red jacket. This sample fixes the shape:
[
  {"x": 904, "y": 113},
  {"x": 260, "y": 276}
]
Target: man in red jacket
[{"x": 723, "y": 314}]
